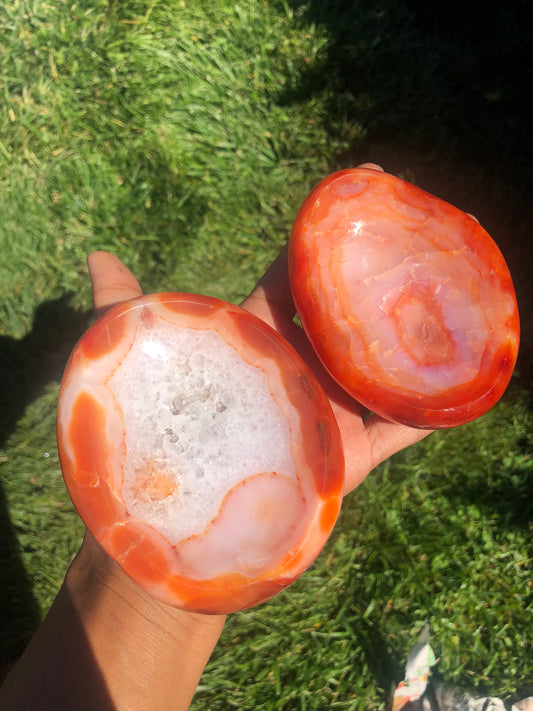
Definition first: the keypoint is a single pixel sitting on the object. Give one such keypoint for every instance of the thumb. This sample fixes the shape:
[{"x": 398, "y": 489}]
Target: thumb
[{"x": 111, "y": 280}]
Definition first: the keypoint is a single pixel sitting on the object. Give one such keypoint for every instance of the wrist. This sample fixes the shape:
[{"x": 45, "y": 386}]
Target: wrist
[
  {"x": 106, "y": 645},
  {"x": 146, "y": 650}
]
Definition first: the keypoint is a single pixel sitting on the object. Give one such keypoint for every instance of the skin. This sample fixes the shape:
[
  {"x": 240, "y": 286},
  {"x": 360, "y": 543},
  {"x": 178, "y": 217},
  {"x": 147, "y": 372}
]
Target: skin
[{"x": 106, "y": 645}]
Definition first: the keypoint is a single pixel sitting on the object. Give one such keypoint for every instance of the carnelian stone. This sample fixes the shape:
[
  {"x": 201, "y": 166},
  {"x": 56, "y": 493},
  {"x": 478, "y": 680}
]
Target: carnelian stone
[
  {"x": 407, "y": 300},
  {"x": 199, "y": 450}
]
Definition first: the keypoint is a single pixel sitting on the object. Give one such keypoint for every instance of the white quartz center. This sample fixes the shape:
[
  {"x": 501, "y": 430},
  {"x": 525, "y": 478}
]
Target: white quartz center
[{"x": 198, "y": 420}]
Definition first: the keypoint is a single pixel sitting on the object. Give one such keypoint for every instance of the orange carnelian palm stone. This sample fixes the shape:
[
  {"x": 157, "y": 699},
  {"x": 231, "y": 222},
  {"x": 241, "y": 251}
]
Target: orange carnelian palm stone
[
  {"x": 199, "y": 450},
  {"x": 407, "y": 300}
]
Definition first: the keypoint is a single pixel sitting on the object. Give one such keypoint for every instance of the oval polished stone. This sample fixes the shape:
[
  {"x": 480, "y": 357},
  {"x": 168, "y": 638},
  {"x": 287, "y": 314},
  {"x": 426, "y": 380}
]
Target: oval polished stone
[{"x": 406, "y": 299}]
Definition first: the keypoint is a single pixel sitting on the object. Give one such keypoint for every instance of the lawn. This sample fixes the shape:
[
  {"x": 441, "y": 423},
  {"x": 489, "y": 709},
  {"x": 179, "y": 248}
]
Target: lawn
[{"x": 183, "y": 137}]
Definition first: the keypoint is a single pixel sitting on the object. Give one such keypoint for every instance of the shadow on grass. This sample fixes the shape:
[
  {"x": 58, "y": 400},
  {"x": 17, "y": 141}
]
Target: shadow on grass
[
  {"x": 508, "y": 494},
  {"x": 439, "y": 91},
  {"x": 26, "y": 367},
  {"x": 20, "y": 613},
  {"x": 53, "y": 682}
]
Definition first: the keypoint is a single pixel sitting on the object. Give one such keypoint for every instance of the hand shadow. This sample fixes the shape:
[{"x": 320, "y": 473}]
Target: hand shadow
[{"x": 27, "y": 365}]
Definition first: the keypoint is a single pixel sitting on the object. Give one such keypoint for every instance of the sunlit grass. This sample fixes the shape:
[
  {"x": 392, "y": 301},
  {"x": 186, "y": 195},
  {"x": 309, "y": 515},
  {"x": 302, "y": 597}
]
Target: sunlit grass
[{"x": 154, "y": 133}]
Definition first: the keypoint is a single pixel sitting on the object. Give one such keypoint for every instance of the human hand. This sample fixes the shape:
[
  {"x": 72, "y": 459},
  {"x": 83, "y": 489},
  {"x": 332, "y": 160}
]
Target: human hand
[{"x": 367, "y": 438}]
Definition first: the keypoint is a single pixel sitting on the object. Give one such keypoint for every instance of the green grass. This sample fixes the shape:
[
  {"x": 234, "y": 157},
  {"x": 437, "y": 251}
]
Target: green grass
[
  {"x": 154, "y": 133},
  {"x": 183, "y": 137}
]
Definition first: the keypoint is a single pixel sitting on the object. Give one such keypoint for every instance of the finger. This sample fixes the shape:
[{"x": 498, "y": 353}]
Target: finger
[
  {"x": 382, "y": 440},
  {"x": 111, "y": 280},
  {"x": 372, "y": 166},
  {"x": 271, "y": 300}
]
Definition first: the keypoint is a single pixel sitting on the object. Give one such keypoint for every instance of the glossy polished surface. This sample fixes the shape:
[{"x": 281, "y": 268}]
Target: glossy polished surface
[
  {"x": 407, "y": 300},
  {"x": 199, "y": 450}
]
